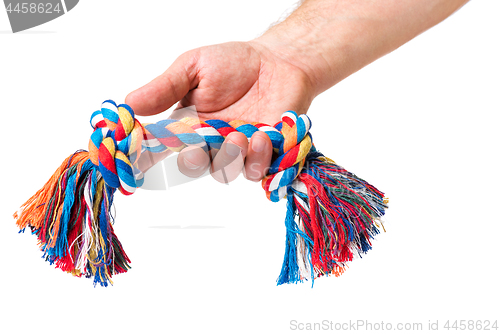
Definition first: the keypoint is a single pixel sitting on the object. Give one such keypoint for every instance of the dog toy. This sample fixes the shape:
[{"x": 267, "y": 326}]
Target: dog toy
[{"x": 331, "y": 213}]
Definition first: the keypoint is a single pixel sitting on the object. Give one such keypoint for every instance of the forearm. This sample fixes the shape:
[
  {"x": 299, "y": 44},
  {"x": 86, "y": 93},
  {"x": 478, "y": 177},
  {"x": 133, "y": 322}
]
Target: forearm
[{"x": 331, "y": 39}]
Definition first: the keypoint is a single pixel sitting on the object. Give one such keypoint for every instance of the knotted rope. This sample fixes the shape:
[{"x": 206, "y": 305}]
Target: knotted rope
[
  {"x": 115, "y": 144},
  {"x": 330, "y": 212}
]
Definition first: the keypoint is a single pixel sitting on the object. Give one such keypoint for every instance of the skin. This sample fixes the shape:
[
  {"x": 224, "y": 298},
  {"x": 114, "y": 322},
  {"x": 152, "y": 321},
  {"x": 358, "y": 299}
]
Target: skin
[{"x": 318, "y": 45}]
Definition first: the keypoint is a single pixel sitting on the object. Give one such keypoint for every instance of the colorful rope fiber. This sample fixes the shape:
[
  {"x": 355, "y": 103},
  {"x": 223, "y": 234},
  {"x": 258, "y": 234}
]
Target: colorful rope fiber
[{"x": 331, "y": 213}]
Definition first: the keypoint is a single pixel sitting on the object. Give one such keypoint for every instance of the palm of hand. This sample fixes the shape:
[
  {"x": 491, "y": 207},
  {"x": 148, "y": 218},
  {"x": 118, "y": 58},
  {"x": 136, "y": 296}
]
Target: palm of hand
[
  {"x": 232, "y": 81},
  {"x": 236, "y": 80},
  {"x": 240, "y": 80}
]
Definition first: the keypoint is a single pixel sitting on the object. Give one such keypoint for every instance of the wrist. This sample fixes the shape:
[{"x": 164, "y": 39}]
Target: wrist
[
  {"x": 330, "y": 40},
  {"x": 326, "y": 45},
  {"x": 295, "y": 46}
]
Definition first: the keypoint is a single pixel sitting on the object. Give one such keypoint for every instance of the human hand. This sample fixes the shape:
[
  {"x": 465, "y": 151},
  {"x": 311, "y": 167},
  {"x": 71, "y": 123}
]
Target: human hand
[
  {"x": 232, "y": 81},
  {"x": 317, "y": 46}
]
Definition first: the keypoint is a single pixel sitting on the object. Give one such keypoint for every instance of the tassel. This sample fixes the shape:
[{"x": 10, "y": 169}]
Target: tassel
[
  {"x": 331, "y": 213},
  {"x": 71, "y": 219},
  {"x": 338, "y": 215}
]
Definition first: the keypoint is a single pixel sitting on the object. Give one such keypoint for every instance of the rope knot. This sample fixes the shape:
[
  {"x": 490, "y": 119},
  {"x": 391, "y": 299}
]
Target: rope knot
[
  {"x": 115, "y": 145},
  {"x": 296, "y": 144}
]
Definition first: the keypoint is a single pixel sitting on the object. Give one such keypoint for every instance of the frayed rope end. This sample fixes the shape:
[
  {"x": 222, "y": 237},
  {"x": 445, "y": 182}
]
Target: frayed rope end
[
  {"x": 331, "y": 214},
  {"x": 71, "y": 218}
]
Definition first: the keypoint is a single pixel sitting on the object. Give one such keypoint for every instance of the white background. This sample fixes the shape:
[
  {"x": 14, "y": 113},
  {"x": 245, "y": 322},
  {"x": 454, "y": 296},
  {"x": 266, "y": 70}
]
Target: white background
[{"x": 421, "y": 124}]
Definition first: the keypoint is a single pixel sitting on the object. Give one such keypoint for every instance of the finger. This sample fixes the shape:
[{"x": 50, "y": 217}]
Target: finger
[
  {"x": 193, "y": 161},
  {"x": 229, "y": 161},
  {"x": 148, "y": 159},
  {"x": 259, "y": 156},
  {"x": 165, "y": 90}
]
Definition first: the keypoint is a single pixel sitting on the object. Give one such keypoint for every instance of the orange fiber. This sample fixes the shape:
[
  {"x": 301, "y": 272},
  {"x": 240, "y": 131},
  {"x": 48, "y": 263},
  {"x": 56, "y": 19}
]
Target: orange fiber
[{"x": 32, "y": 212}]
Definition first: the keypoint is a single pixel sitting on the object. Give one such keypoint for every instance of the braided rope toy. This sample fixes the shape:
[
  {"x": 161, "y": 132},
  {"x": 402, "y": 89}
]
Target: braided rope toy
[{"x": 331, "y": 213}]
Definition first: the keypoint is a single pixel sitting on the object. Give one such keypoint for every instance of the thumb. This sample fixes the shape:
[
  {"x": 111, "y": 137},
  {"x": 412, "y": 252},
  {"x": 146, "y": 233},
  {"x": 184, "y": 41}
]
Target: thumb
[{"x": 167, "y": 89}]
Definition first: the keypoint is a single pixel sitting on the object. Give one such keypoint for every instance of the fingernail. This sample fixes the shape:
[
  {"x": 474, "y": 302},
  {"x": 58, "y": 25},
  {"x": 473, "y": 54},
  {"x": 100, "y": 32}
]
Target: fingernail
[
  {"x": 189, "y": 164},
  {"x": 232, "y": 149},
  {"x": 258, "y": 144}
]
